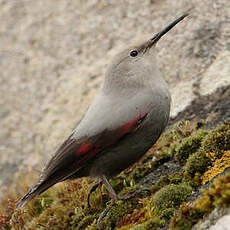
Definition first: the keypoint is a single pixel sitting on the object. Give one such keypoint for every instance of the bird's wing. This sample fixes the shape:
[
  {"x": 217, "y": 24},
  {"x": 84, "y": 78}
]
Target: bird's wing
[{"x": 74, "y": 153}]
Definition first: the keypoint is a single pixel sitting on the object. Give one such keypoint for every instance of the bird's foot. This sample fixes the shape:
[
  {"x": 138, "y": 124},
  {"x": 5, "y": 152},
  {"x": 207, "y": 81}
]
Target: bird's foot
[
  {"x": 115, "y": 197},
  {"x": 104, "y": 213},
  {"x": 93, "y": 188},
  {"x": 134, "y": 193}
]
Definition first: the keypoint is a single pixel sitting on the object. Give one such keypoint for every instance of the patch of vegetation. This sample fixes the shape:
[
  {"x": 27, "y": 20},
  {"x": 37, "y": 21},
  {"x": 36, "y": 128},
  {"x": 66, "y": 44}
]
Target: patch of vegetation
[
  {"x": 212, "y": 147},
  {"x": 197, "y": 164},
  {"x": 217, "y": 196},
  {"x": 169, "y": 198},
  {"x": 201, "y": 154},
  {"x": 189, "y": 146},
  {"x": 151, "y": 224},
  {"x": 117, "y": 214},
  {"x": 174, "y": 178},
  {"x": 217, "y": 140},
  {"x": 218, "y": 166}
]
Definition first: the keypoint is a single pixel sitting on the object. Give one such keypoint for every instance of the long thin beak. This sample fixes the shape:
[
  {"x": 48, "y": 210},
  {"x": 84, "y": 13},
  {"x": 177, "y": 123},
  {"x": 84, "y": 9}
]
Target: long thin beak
[{"x": 165, "y": 30}]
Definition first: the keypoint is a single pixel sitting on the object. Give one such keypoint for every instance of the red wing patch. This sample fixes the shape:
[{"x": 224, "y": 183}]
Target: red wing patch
[
  {"x": 134, "y": 124},
  {"x": 127, "y": 126},
  {"x": 87, "y": 151}
]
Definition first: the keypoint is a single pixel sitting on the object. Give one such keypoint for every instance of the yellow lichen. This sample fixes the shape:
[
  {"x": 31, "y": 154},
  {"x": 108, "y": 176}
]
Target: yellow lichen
[
  {"x": 217, "y": 195},
  {"x": 218, "y": 166}
]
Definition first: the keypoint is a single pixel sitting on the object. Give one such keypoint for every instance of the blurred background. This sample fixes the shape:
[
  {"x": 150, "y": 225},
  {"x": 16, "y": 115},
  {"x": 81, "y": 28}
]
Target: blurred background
[{"x": 53, "y": 55}]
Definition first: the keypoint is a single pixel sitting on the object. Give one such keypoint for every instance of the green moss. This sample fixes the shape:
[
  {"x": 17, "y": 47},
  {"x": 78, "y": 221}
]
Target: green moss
[
  {"x": 119, "y": 210},
  {"x": 217, "y": 196},
  {"x": 170, "y": 140},
  {"x": 139, "y": 172},
  {"x": 153, "y": 223},
  {"x": 184, "y": 129},
  {"x": 189, "y": 146},
  {"x": 213, "y": 145},
  {"x": 82, "y": 224},
  {"x": 185, "y": 218},
  {"x": 169, "y": 198},
  {"x": 197, "y": 163},
  {"x": 217, "y": 140},
  {"x": 175, "y": 178}
]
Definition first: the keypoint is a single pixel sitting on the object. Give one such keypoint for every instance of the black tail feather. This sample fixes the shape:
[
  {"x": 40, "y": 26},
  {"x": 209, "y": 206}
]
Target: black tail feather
[
  {"x": 44, "y": 183},
  {"x": 37, "y": 189}
]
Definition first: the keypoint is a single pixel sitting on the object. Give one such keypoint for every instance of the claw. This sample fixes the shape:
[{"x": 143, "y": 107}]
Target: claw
[
  {"x": 114, "y": 197},
  {"x": 93, "y": 188},
  {"x": 134, "y": 193},
  {"x": 103, "y": 215}
]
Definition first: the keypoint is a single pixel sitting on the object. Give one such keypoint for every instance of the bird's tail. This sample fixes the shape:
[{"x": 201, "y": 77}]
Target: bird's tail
[{"x": 38, "y": 188}]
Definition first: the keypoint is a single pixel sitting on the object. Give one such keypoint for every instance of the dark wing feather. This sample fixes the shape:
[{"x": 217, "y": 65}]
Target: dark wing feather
[
  {"x": 62, "y": 157},
  {"x": 73, "y": 154}
]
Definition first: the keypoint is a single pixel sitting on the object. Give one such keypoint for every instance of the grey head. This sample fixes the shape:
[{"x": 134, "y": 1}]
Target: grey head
[{"x": 135, "y": 66}]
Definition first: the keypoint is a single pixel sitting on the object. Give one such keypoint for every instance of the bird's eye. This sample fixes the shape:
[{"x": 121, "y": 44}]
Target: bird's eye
[{"x": 133, "y": 53}]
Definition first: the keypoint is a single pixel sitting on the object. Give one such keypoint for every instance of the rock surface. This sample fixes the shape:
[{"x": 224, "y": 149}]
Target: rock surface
[
  {"x": 219, "y": 219},
  {"x": 53, "y": 55},
  {"x": 222, "y": 224}
]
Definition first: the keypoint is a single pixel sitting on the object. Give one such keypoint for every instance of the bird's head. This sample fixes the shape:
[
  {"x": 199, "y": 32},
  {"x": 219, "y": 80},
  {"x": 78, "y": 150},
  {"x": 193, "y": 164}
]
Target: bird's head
[{"x": 134, "y": 66}]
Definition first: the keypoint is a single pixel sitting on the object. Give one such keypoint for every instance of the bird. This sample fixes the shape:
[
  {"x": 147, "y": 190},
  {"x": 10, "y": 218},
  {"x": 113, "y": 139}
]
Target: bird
[{"x": 126, "y": 118}]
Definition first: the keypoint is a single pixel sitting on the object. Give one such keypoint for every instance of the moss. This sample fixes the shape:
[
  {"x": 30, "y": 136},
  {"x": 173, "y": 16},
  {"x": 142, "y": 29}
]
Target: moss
[
  {"x": 175, "y": 178},
  {"x": 184, "y": 129},
  {"x": 56, "y": 208},
  {"x": 217, "y": 140},
  {"x": 5, "y": 218},
  {"x": 153, "y": 223},
  {"x": 170, "y": 140},
  {"x": 139, "y": 172},
  {"x": 189, "y": 146},
  {"x": 197, "y": 163},
  {"x": 169, "y": 198},
  {"x": 120, "y": 209},
  {"x": 86, "y": 221},
  {"x": 65, "y": 206},
  {"x": 185, "y": 218},
  {"x": 52, "y": 218},
  {"x": 217, "y": 196},
  {"x": 213, "y": 146}
]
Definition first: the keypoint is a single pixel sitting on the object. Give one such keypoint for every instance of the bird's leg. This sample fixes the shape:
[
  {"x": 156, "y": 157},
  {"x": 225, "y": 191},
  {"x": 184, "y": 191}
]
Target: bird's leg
[
  {"x": 125, "y": 197},
  {"x": 114, "y": 197},
  {"x": 112, "y": 193},
  {"x": 92, "y": 189},
  {"x": 103, "y": 214}
]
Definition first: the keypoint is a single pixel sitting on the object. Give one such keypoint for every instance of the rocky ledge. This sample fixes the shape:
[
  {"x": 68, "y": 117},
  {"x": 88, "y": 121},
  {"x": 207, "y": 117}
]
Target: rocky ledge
[{"x": 185, "y": 175}]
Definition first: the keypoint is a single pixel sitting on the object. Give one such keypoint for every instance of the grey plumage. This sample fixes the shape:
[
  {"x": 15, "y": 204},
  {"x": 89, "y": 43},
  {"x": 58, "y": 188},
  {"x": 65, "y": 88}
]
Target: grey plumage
[{"x": 125, "y": 120}]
